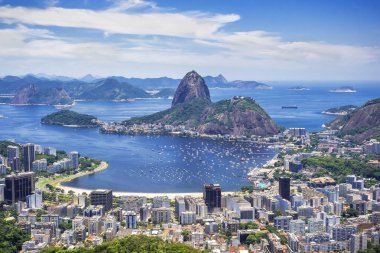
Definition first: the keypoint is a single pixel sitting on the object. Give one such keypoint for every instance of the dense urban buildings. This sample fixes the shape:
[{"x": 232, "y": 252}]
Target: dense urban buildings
[{"x": 283, "y": 208}]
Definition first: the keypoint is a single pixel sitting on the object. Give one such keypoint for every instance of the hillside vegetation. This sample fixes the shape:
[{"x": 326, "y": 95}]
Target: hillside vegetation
[
  {"x": 67, "y": 117},
  {"x": 236, "y": 116},
  {"x": 339, "y": 168},
  {"x": 360, "y": 124},
  {"x": 112, "y": 89},
  {"x": 130, "y": 244}
]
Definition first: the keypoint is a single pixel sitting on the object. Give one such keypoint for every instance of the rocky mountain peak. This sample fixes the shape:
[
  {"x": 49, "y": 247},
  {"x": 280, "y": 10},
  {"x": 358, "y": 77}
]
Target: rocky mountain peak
[
  {"x": 221, "y": 79},
  {"x": 192, "y": 86}
]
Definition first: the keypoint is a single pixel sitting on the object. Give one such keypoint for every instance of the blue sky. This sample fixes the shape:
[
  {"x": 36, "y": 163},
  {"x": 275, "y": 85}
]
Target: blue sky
[{"x": 249, "y": 40}]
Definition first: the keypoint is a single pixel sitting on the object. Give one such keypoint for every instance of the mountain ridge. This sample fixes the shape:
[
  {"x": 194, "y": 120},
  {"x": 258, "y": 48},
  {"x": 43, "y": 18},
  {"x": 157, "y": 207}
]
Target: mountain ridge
[
  {"x": 360, "y": 124},
  {"x": 88, "y": 87}
]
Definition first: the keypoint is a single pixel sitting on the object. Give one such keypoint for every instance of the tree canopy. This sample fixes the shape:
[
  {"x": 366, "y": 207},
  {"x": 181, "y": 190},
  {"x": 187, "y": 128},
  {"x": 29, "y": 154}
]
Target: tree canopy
[{"x": 130, "y": 244}]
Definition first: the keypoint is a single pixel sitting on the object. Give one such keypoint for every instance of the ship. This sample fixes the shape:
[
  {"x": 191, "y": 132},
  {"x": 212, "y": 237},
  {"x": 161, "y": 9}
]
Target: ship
[{"x": 290, "y": 107}]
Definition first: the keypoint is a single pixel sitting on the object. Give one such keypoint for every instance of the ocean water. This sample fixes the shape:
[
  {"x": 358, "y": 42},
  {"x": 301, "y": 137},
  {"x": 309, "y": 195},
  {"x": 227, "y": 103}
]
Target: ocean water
[{"x": 174, "y": 164}]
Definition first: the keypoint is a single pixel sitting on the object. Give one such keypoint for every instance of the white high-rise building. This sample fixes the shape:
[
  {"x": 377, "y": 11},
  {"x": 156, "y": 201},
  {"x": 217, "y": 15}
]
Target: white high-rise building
[
  {"x": 110, "y": 225},
  {"x": 332, "y": 193},
  {"x": 38, "y": 149},
  {"x": 282, "y": 222},
  {"x": 2, "y": 186},
  {"x": 161, "y": 215},
  {"x": 315, "y": 225},
  {"x": 358, "y": 242},
  {"x": 161, "y": 201},
  {"x": 297, "y": 227},
  {"x": 343, "y": 232},
  {"x": 179, "y": 205},
  {"x": 188, "y": 217},
  {"x": 39, "y": 165},
  {"x": 34, "y": 201},
  {"x": 50, "y": 151},
  {"x": 94, "y": 226},
  {"x": 74, "y": 158}
]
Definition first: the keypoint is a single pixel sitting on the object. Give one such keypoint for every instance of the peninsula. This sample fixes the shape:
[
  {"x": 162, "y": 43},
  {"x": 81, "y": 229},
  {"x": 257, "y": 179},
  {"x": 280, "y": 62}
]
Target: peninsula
[
  {"x": 341, "y": 110},
  {"x": 193, "y": 113}
]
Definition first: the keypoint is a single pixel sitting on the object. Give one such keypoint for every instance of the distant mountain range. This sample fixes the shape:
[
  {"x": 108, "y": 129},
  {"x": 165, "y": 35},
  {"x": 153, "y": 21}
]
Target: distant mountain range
[{"x": 52, "y": 90}]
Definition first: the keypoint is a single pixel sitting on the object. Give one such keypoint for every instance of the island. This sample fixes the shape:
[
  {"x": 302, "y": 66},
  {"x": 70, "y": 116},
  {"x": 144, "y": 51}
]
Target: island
[
  {"x": 70, "y": 118},
  {"x": 341, "y": 110},
  {"x": 299, "y": 88},
  {"x": 344, "y": 89}
]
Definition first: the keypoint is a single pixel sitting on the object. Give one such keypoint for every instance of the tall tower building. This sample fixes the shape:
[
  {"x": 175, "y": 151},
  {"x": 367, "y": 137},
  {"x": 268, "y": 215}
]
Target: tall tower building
[
  {"x": 12, "y": 152},
  {"x": 212, "y": 195},
  {"x": 102, "y": 197},
  {"x": 17, "y": 187},
  {"x": 74, "y": 157},
  {"x": 284, "y": 187},
  {"x": 29, "y": 156},
  {"x": 16, "y": 164},
  {"x": 131, "y": 220}
]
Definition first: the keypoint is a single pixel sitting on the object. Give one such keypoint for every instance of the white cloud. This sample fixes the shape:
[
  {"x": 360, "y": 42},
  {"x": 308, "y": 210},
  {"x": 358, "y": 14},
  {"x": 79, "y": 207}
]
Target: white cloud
[
  {"x": 167, "y": 42},
  {"x": 261, "y": 45},
  {"x": 112, "y": 21},
  {"x": 122, "y": 5}
]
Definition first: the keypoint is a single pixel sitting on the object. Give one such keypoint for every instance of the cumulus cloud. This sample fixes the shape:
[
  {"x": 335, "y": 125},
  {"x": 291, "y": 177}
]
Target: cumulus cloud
[{"x": 166, "y": 42}]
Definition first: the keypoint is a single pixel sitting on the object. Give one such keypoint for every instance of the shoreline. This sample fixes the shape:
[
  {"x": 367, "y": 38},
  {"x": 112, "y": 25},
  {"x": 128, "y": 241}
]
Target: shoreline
[
  {"x": 335, "y": 113},
  {"x": 170, "y": 195},
  {"x": 191, "y": 135},
  {"x": 63, "y": 178}
]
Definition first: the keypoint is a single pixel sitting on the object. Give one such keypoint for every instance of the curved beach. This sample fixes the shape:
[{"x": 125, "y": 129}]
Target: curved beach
[
  {"x": 56, "y": 181},
  {"x": 170, "y": 195},
  {"x": 103, "y": 166}
]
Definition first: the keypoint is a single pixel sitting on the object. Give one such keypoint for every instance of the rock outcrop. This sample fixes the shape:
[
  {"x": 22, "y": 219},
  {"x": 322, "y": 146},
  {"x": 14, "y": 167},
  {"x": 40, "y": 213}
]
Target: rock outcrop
[{"x": 192, "y": 87}]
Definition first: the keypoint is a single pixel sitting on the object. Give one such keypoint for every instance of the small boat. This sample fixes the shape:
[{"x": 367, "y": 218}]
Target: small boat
[{"x": 289, "y": 107}]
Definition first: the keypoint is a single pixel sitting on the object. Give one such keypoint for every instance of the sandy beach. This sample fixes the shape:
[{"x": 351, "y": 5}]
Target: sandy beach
[
  {"x": 57, "y": 180},
  {"x": 170, "y": 195}
]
